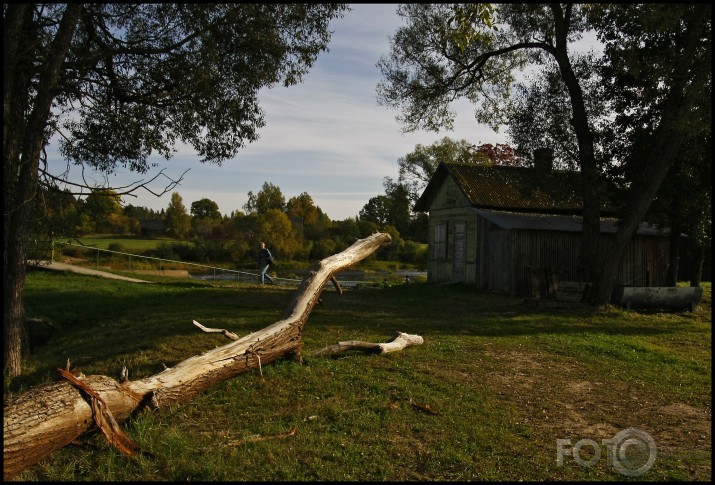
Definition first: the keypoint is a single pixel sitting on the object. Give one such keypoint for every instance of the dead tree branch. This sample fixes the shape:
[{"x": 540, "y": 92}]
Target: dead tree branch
[
  {"x": 52, "y": 415},
  {"x": 225, "y": 332},
  {"x": 401, "y": 341}
]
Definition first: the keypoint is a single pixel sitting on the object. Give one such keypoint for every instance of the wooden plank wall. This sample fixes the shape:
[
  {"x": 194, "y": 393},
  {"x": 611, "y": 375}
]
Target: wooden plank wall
[{"x": 506, "y": 258}]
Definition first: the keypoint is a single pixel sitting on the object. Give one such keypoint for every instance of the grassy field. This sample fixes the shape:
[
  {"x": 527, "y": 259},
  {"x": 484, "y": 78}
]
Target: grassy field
[
  {"x": 504, "y": 382},
  {"x": 137, "y": 246},
  {"x": 130, "y": 244}
]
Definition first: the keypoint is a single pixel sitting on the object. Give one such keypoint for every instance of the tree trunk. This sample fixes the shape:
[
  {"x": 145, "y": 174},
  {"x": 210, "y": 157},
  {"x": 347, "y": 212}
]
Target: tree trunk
[
  {"x": 671, "y": 278},
  {"x": 698, "y": 257},
  {"x": 641, "y": 197},
  {"x": 52, "y": 415},
  {"x": 24, "y": 138},
  {"x": 590, "y": 180}
]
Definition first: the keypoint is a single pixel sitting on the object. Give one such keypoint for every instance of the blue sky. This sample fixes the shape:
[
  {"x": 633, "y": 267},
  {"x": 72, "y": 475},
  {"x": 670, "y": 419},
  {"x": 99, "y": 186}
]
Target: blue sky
[{"x": 326, "y": 136}]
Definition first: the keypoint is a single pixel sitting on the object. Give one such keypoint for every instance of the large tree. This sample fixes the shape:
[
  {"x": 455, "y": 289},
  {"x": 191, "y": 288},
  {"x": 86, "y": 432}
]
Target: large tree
[
  {"x": 417, "y": 167},
  {"x": 178, "y": 220},
  {"x": 121, "y": 82},
  {"x": 658, "y": 74},
  {"x": 538, "y": 113},
  {"x": 475, "y": 50},
  {"x": 205, "y": 209},
  {"x": 448, "y": 51},
  {"x": 268, "y": 198}
]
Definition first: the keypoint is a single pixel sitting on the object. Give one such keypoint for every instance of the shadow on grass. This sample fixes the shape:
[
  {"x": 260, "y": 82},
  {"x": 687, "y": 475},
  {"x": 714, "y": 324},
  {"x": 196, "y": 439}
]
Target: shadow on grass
[
  {"x": 102, "y": 321},
  {"x": 461, "y": 310}
]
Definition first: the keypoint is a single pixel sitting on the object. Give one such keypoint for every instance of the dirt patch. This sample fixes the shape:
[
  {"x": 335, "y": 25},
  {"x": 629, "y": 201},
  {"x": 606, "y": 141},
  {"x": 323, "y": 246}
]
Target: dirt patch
[
  {"x": 176, "y": 273},
  {"x": 556, "y": 401},
  {"x": 55, "y": 266}
]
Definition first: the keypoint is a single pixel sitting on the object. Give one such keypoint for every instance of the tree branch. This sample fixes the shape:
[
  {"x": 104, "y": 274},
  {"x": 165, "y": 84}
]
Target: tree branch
[
  {"x": 48, "y": 417},
  {"x": 401, "y": 341}
]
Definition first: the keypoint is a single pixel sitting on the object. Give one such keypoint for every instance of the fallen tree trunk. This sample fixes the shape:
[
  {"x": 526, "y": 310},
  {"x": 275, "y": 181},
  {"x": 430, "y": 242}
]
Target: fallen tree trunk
[
  {"x": 50, "y": 416},
  {"x": 401, "y": 341}
]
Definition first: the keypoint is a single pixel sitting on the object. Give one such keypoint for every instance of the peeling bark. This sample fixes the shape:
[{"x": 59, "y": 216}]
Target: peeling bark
[{"x": 50, "y": 416}]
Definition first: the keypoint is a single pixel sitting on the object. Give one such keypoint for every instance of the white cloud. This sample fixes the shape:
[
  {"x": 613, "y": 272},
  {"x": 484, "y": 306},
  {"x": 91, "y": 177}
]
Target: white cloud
[{"x": 326, "y": 136}]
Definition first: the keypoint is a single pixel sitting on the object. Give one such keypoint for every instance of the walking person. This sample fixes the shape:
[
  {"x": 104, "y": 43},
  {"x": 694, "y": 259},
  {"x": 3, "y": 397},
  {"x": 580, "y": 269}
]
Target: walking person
[{"x": 265, "y": 258}]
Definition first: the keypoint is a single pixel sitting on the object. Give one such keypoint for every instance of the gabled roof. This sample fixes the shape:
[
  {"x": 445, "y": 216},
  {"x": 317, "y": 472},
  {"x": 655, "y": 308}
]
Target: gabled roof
[{"x": 509, "y": 188}]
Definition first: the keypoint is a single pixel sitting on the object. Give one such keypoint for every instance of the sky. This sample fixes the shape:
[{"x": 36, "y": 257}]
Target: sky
[{"x": 326, "y": 136}]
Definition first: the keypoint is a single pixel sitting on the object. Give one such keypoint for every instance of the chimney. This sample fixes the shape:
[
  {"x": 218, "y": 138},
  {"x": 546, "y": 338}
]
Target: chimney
[{"x": 543, "y": 160}]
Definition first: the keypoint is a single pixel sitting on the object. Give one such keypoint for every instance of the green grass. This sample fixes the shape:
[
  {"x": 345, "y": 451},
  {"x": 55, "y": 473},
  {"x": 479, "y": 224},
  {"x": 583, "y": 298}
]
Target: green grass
[
  {"x": 506, "y": 380},
  {"x": 130, "y": 244}
]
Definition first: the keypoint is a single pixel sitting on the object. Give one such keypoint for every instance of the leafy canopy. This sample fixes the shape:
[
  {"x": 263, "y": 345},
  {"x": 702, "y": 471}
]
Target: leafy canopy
[{"x": 140, "y": 78}]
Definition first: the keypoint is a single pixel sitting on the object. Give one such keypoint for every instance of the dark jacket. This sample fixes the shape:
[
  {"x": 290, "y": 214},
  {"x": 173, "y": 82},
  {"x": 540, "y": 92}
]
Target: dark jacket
[{"x": 265, "y": 257}]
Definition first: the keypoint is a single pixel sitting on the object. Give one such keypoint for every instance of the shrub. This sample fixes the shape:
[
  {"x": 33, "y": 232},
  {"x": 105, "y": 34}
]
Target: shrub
[{"x": 118, "y": 247}]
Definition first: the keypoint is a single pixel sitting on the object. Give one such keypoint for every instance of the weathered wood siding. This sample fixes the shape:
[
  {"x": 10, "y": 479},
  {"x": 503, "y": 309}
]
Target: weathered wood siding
[
  {"x": 505, "y": 258},
  {"x": 645, "y": 262},
  {"x": 451, "y": 207},
  {"x": 502, "y": 257}
]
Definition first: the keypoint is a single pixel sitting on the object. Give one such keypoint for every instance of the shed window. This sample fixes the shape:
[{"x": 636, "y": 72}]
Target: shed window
[{"x": 439, "y": 242}]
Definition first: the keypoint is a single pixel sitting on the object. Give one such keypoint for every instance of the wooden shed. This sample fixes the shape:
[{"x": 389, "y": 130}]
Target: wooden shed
[{"x": 496, "y": 227}]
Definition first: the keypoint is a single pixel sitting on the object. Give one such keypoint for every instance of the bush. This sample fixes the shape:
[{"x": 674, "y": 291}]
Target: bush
[{"x": 118, "y": 247}]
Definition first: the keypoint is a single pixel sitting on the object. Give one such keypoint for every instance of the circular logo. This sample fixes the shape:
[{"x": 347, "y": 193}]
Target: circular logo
[{"x": 633, "y": 452}]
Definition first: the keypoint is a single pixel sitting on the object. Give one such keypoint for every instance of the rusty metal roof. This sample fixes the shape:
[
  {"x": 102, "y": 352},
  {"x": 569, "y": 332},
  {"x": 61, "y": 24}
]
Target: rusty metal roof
[{"x": 510, "y": 188}]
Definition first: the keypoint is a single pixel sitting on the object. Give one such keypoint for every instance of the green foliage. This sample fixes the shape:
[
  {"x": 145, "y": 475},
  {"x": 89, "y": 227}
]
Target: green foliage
[
  {"x": 211, "y": 59},
  {"x": 655, "y": 56},
  {"x": 377, "y": 210},
  {"x": 104, "y": 209},
  {"x": 175, "y": 251},
  {"x": 417, "y": 167},
  {"x": 205, "y": 209},
  {"x": 443, "y": 52},
  {"x": 277, "y": 232},
  {"x": 506, "y": 381},
  {"x": 268, "y": 198},
  {"x": 115, "y": 246},
  {"x": 118, "y": 83},
  {"x": 178, "y": 221},
  {"x": 56, "y": 214},
  {"x": 466, "y": 27},
  {"x": 131, "y": 244}
]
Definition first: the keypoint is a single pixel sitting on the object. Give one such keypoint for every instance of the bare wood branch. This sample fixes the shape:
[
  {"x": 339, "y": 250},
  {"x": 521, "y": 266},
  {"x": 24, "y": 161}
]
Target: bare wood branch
[
  {"x": 336, "y": 284},
  {"x": 51, "y": 181},
  {"x": 48, "y": 417},
  {"x": 401, "y": 341},
  {"x": 226, "y": 333}
]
